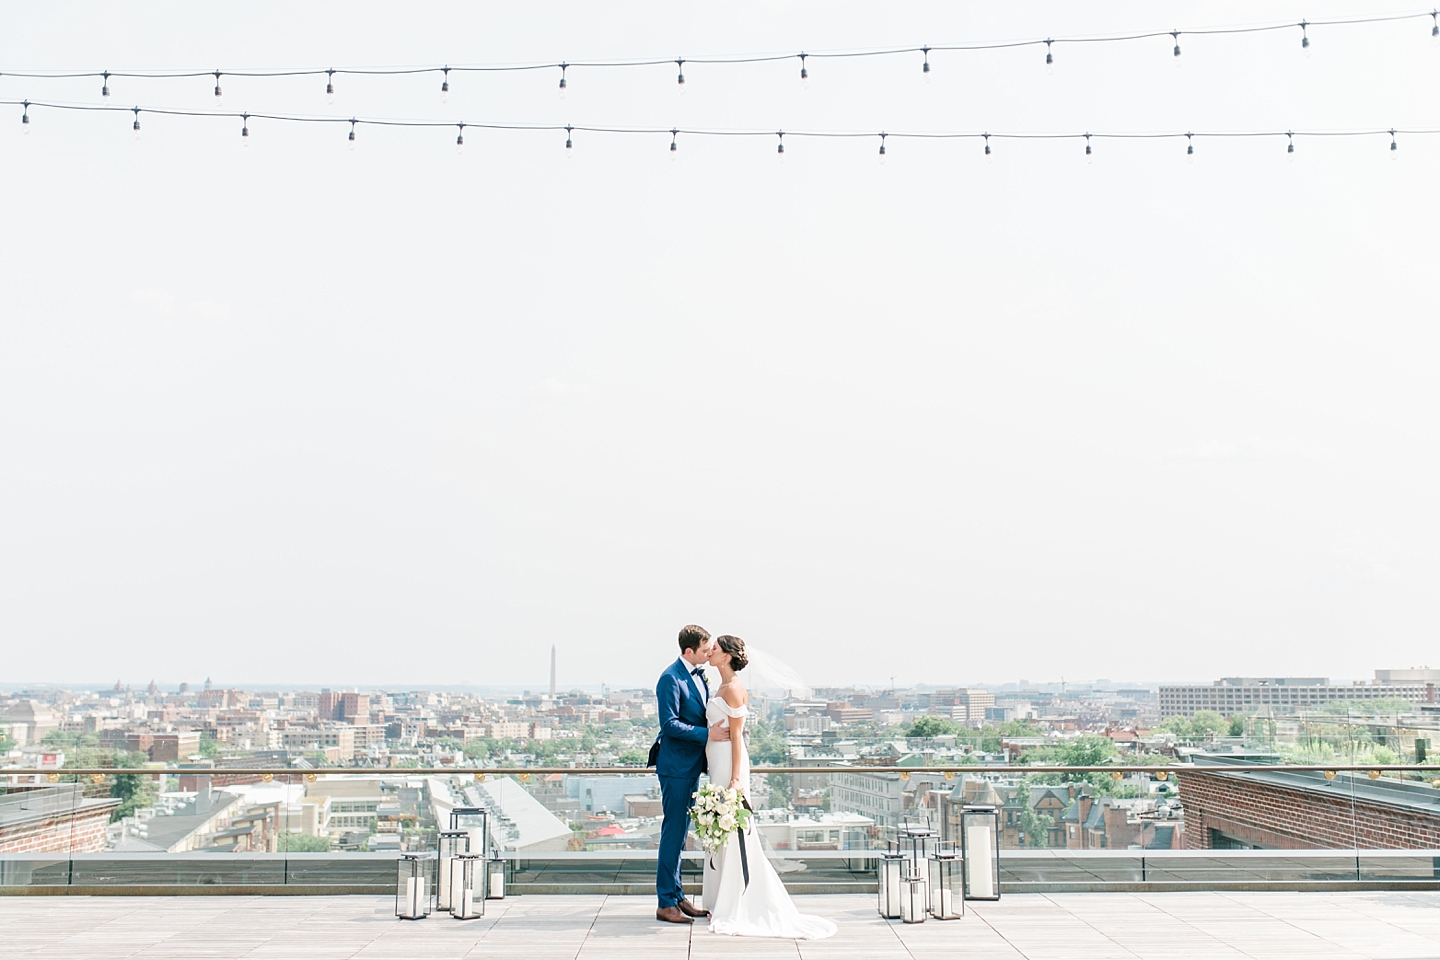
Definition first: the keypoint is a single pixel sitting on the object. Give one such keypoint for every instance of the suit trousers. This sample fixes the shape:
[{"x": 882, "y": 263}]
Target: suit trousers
[{"x": 675, "y": 802}]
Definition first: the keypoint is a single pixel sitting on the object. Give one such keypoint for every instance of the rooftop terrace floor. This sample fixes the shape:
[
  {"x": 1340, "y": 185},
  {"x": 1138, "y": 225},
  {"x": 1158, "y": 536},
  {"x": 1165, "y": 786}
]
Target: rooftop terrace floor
[{"x": 1174, "y": 926}]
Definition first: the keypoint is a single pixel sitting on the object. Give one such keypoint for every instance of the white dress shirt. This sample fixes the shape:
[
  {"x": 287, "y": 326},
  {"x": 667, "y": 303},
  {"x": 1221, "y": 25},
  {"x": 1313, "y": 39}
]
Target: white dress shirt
[{"x": 687, "y": 666}]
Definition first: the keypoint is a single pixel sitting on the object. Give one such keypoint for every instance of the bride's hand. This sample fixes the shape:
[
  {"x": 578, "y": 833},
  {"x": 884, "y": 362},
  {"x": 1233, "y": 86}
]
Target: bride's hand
[{"x": 736, "y": 785}]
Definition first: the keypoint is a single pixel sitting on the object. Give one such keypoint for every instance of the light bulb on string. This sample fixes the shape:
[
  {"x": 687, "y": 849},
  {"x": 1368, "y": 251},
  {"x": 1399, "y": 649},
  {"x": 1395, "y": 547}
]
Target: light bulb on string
[
  {"x": 1394, "y": 147},
  {"x": 460, "y": 140},
  {"x": 330, "y": 86},
  {"x": 25, "y": 118},
  {"x": 1089, "y": 157},
  {"x": 136, "y": 125},
  {"x": 245, "y": 129},
  {"x": 680, "y": 80},
  {"x": 352, "y": 133},
  {"x": 1305, "y": 38},
  {"x": 1189, "y": 148},
  {"x": 219, "y": 100},
  {"x": 1435, "y": 28},
  {"x": 1049, "y": 59},
  {"x": 1175, "y": 34},
  {"x": 1290, "y": 148},
  {"x": 882, "y": 149},
  {"x": 445, "y": 87},
  {"x": 673, "y": 148},
  {"x": 569, "y": 147},
  {"x": 925, "y": 67},
  {"x": 562, "y": 80},
  {"x": 105, "y": 87},
  {"x": 988, "y": 157},
  {"x": 780, "y": 147},
  {"x": 804, "y": 74}
]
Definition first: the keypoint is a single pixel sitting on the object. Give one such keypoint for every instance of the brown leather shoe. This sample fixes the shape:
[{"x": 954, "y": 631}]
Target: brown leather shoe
[
  {"x": 690, "y": 910},
  {"x": 672, "y": 915}
]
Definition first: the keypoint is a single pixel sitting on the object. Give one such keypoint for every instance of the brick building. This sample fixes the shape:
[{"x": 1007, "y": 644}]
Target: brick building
[
  {"x": 56, "y": 819},
  {"x": 1291, "y": 811}
]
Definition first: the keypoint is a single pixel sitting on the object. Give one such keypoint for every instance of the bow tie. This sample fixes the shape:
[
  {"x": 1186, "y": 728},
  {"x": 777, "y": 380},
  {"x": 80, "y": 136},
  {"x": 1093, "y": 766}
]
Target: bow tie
[{"x": 700, "y": 672}]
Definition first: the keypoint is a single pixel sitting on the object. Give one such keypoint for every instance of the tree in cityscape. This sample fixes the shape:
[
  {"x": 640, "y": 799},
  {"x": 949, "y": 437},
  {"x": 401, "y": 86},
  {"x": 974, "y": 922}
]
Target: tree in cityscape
[
  {"x": 302, "y": 843},
  {"x": 931, "y": 727},
  {"x": 1036, "y": 827}
]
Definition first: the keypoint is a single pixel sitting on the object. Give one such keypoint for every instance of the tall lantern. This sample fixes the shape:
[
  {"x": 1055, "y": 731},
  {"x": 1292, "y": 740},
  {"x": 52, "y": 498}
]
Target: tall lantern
[
  {"x": 412, "y": 896},
  {"x": 467, "y": 887},
  {"x": 980, "y": 843},
  {"x": 947, "y": 883},
  {"x": 476, "y": 822},
  {"x": 890, "y": 875},
  {"x": 913, "y": 899},
  {"x": 449, "y": 845}
]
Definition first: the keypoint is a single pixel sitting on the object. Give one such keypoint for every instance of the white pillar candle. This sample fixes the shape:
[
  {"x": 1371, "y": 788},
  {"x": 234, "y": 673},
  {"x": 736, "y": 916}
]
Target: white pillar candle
[
  {"x": 443, "y": 885},
  {"x": 979, "y": 864}
]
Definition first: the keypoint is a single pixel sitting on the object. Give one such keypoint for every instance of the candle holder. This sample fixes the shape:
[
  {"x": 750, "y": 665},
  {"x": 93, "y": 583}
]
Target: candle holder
[
  {"x": 448, "y": 845},
  {"x": 467, "y": 887},
  {"x": 980, "y": 846},
  {"x": 914, "y": 900},
  {"x": 412, "y": 894},
  {"x": 890, "y": 875},
  {"x": 947, "y": 883}
]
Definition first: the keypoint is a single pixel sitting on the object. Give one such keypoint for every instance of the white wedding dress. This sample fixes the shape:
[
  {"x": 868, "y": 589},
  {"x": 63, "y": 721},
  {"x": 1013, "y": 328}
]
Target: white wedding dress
[{"x": 763, "y": 908}]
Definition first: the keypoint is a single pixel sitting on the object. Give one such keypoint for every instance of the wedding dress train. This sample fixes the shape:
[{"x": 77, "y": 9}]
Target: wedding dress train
[{"x": 761, "y": 908}]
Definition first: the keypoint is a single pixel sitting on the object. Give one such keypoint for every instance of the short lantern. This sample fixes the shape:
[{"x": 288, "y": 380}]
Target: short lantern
[
  {"x": 947, "y": 883},
  {"x": 474, "y": 821},
  {"x": 449, "y": 845},
  {"x": 914, "y": 899},
  {"x": 467, "y": 887},
  {"x": 890, "y": 875},
  {"x": 980, "y": 846},
  {"x": 412, "y": 896},
  {"x": 495, "y": 879}
]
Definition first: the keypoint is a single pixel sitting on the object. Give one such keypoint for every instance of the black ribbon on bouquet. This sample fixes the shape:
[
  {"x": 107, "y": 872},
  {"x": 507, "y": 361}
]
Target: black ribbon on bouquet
[{"x": 744, "y": 856}]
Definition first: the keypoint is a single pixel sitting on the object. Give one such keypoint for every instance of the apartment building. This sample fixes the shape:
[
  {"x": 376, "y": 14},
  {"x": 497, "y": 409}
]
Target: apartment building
[{"x": 1245, "y": 695}]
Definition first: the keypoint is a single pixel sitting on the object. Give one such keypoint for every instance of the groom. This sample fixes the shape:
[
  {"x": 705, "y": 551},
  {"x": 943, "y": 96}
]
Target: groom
[{"x": 681, "y": 696}]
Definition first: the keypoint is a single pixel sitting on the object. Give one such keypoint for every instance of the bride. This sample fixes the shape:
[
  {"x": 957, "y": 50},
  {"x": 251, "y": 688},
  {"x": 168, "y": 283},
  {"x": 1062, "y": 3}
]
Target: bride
[{"x": 741, "y": 906}]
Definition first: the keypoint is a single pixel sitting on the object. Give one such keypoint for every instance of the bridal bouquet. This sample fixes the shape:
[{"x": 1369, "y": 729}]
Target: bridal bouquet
[{"x": 717, "y": 814}]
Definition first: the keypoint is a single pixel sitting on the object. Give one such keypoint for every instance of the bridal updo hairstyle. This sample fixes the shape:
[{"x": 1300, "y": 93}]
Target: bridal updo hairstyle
[{"x": 736, "y": 648}]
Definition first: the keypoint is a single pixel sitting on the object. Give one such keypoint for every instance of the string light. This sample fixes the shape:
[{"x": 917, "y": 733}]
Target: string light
[
  {"x": 1290, "y": 148},
  {"x": 1394, "y": 147},
  {"x": 1089, "y": 157},
  {"x": 460, "y": 140},
  {"x": 882, "y": 149},
  {"x": 105, "y": 87},
  {"x": 330, "y": 85},
  {"x": 1175, "y": 34},
  {"x": 674, "y": 133},
  {"x": 1049, "y": 58},
  {"x": 352, "y": 133},
  {"x": 1435, "y": 28},
  {"x": 925, "y": 69},
  {"x": 25, "y": 118},
  {"x": 1304, "y": 38},
  {"x": 987, "y": 147},
  {"x": 568, "y": 145},
  {"x": 219, "y": 100},
  {"x": 1189, "y": 148},
  {"x": 562, "y": 80},
  {"x": 136, "y": 127},
  {"x": 804, "y": 74},
  {"x": 680, "y": 80},
  {"x": 245, "y": 129},
  {"x": 780, "y": 147},
  {"x": 445, "y": 87}
]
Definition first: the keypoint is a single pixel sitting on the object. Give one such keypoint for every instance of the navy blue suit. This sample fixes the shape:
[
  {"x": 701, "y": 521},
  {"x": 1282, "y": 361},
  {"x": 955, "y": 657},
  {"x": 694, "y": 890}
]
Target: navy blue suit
[{"x": 683, "y": 736}]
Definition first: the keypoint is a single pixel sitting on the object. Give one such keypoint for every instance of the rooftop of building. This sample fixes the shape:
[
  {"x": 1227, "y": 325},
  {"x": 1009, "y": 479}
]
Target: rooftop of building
[{"x": 1417, "y": 795}]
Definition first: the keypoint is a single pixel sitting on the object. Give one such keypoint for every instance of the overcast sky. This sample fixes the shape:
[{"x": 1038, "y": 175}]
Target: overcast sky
[{"x": 395, "y": 416}]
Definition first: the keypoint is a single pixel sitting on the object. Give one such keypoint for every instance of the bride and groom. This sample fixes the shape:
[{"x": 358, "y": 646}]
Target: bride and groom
[{"x": 702, "y": 731}]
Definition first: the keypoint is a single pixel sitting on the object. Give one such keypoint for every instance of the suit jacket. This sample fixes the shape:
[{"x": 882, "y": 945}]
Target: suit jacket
[{"x": 683, "y": 733}]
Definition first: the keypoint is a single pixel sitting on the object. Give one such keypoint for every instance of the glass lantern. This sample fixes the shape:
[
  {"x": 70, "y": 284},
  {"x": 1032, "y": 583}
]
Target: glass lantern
[
  {"x": 916, "y": 842},
  {"x": 947, "y": 883},
  {"x": 467, "y": 887},
  {"x": 890, "y": 875},
  {"x": 980, "y": 845},
  {"x": 474, "y": 821},
  {"x": 412, "y": 894},
  {"x": 913, "y": 898},
  {"x": 449, "y": 844},
  {"x": 495, "y": 879}
]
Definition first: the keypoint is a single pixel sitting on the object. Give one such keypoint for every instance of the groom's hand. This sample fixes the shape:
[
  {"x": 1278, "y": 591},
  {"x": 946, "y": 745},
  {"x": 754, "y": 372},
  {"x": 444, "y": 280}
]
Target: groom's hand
[{"x": 720, "y": 732}]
